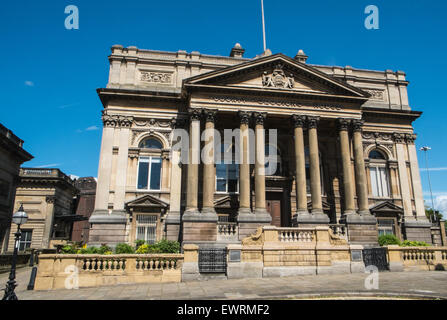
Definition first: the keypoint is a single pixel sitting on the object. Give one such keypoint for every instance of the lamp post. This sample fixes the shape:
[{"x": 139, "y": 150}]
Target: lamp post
[
  {"x": 19, "y": 218},
  {"x": 425, "y": 149}
]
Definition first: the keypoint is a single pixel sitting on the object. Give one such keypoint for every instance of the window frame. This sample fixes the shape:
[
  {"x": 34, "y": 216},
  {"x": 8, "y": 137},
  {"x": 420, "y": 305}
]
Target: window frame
[
  {"x": 146, "y": 225},
  {"x": 227, "y": 167},
  {"x": 379, "y": 176},
  {"x": 26, "y": 241},
  {"x": 150, "y": 158}
]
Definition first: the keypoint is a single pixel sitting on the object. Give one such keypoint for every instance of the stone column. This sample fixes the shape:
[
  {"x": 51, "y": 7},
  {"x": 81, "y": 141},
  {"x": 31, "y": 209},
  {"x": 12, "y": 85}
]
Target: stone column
[
  {"x": 49, "y": 221},
  {"x": 300, "y": 165},
  {"x": 362, "y": 227},
  {"x": 260, "y": 164},
  {"x": 105, "y": 165},
  {"x": 244, "y": 167},
  {"x": 193, "y": 165},
  {"x": 197, "y": 227},
  {"x": 314, "y": 164},
  {"x": 209, "y": 171},
  {"x": 122, "y": 162},
  {"x": 360, "y": 173},
  {"x": 348, "y": 187}
]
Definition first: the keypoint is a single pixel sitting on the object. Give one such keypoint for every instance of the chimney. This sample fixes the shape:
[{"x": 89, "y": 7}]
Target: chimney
[
  {"x": 301, "y": 56},
  {"x": 237, "y": 51}
]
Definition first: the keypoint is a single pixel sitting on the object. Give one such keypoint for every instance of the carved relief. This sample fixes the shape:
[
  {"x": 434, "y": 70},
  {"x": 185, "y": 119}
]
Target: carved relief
[
  {"x": 376, "y": 94},
  {"x": 278, "y": 78},
  {"x": 254, "y": 239},
  {"x": 156, "y": 77}
]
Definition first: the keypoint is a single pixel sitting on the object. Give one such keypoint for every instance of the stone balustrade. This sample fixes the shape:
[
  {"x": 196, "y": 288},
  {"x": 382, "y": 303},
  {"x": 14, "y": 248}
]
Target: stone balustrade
[
  {"x": 296, "y": 234},
  {"x": 58, "y": 271},
  {"x": 417, "y": 258},
  {"x": 339, "y": 230},
  {"x": 227, "y": 231}
]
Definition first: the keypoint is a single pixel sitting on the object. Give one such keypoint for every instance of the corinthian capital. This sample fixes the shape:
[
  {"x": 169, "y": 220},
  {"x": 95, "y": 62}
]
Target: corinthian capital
[
  {"x": 110, "y": 120},
  {"x": 210, "y": 115},
  {"x": 260, "y": 117},
  {"x": 195, "y": 114},
  {"x": 410, "y": 137},
  {"x": 125, "y": 122},
  {"x": 357, "y": 125},
  {"x": 298, "y": 120},
  {"x": 398, "y": 137},
  {"x": 343, "y": 124},
  {"x": 312, "y": 122}
]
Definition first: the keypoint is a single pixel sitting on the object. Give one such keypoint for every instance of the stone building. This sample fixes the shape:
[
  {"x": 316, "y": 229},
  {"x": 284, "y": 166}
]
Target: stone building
[
  {"x": 12, "y": 155},
  {"x": 49, "y": 198},
  {"x": 345, "y": 153},
  {"x": 84, "y": 207}
]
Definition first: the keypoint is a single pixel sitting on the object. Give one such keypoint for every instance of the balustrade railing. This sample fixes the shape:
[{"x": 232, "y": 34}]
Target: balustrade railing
[
  {"x": 339, "y": 230},
  {"x": 157, "y": 263},
  {"x": 295, "y": 235},
  {"x": 227, "y": 229},
  {"x": 102, "y": 263}
]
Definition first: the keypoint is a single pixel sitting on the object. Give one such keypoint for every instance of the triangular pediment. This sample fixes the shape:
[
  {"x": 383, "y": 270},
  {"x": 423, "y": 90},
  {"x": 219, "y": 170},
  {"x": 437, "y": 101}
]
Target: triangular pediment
[
  {"x": 226, "y": 202},
  {"x": 276, "y": 73},
  {"x": 386, "y": 206},
  {"x": 147, "y": 201}
]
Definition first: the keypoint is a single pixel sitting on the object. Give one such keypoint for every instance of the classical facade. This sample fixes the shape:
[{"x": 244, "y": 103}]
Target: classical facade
[
  {"x": 12, "y": 155},
  {"x": 49, "y": 197},
  {"x": 344, "y": 149}
]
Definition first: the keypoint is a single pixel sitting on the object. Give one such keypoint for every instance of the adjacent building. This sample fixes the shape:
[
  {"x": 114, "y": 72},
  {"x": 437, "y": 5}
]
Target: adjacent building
[
  {"x": 12, "y": 155},
  {"x": 345, "y": 150},
  {"x": 84, "y": 207},
  {"x": 49, "y": 197}
]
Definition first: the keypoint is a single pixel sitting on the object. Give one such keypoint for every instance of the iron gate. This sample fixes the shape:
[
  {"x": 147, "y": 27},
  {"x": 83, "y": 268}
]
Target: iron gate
[
  {"x": 213, "y": 260},
  {"x": 376, "y": 257}
]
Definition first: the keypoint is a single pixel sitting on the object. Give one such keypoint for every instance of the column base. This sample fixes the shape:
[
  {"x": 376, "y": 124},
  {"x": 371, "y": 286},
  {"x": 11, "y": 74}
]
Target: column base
[
  {"x": 199, "y": 226},
  {"x": 418, "y": 230},
  {"x": 361, "y": 229},
  {"x": 249, "y": 222},
  {"x": 172, "y": 226},
  {"x": 314, "y": 218},
  {"x": 107, "y": 228}
]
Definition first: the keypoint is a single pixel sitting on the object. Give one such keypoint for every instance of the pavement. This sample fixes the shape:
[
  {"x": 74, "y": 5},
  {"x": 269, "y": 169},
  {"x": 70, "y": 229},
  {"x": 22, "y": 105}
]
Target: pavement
[{"x": 394, "y": 285}]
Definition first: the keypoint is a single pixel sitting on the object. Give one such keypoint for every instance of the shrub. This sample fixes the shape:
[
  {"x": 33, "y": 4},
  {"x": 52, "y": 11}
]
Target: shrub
[
  {"x": 408, "y": 243},
  {"x": 104, "y": 248},
  {"x": 138, "y": 243},
  {"x": 168, "y": 246},
  {"x": 88, "y": 250},
  {"x": 142, "y": 249},
  {"x": 123, "y": 248},
  {"x": 69, "y": 249},
  {"x": 388, "y": 239}
]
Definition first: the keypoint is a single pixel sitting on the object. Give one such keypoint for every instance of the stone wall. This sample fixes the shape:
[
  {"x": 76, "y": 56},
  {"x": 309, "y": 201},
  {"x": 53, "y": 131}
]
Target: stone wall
[
  {"x": 59, "y": 271},
  {"x": 417, "y": 258}
]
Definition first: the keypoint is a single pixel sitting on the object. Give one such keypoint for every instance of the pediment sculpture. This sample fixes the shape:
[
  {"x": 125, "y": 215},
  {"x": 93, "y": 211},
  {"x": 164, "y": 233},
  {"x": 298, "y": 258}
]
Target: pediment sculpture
[{"x": 278, "y": 78}]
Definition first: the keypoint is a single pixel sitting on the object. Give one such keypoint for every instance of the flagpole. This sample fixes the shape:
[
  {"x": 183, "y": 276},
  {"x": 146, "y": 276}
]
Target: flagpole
[{"x": 263, "y": 24}]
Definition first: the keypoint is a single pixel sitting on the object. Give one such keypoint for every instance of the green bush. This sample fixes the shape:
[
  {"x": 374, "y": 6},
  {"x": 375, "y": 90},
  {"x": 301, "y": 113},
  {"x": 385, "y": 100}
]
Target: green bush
[
  {"x": 69, "y": 249},
  {"x": 168, "y": 246},
  {"x": 139, "y": 243},
  {"x": 388, "y": 239},
  {"x": 123, "y": 248},
  {"x": 408, "y": 243},
  {"x": 88, "y": 250},
  {"x": 104, "y": 249}
]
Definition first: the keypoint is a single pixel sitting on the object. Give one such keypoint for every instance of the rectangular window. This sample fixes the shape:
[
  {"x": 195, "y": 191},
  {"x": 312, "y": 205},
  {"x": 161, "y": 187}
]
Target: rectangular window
[
  {"x": 25, "y": 240},
  {"x": 385, "y": 226},
  {"x": 147, "y": 228},
  {"x": 149, "y": 173},
  {"x": 227, "y": 176},
  {"x": 379, "y": 182}
]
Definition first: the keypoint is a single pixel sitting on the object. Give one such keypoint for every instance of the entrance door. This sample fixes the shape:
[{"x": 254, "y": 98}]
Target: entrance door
[{"x": 274, "y": 208}]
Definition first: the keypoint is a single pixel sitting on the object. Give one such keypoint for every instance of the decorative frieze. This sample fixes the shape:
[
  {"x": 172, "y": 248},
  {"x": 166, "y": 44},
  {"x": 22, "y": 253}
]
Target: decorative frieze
[
  {"x": 116, "y": 120},
  {"x": 278, "y": 78},
  {"x": 376, "y": 94},
  {"x": 377, "y": 136},
  {"x": 156, "y": 77},
  {"x": 162, "y": 123}
]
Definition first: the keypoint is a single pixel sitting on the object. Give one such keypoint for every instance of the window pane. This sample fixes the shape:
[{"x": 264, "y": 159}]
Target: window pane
[
  {"x": 143, "y": 172},
  {"x": 232, "y": 185},
  {"x": 221, "y": 171},
  {"x": 155, "y": 174},
  {"x": 384, "y": 180},
  {"x": 151, "y": 144},
  {"x": 373, "y": 173},
  {"x": 221, "y": 185}
]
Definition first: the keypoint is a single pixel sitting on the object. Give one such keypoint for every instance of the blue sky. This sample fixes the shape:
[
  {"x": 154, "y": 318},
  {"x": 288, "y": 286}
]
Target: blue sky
[{"x": 50, "y": 74}]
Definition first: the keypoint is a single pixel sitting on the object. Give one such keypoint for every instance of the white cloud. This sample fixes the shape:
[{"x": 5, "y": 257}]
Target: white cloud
[
  {"x": 434, "y": 169},
  {"x": 441, "y": 204},
  {"x": 29, "y": 83},
  {"x": 49, "y": 165},
  {"x": 92, "y": 128}
]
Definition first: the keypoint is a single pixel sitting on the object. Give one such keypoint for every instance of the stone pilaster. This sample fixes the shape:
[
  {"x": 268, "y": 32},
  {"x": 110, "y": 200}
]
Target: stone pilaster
[
  {"x": 209, "y": 171},
  {"x": 298, "y": 122},
  {"x": 360, "y": 173}
]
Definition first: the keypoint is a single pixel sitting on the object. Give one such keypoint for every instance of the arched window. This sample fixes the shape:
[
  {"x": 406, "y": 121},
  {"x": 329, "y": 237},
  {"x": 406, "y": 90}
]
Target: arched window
[
  {"x": 379, "y": 174},
  {"x": 150, "y": 143},
  {"x": 273, "y": 165},
  {"x": 149, "y": 166},
  {"x": 227, "y": 174}
]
